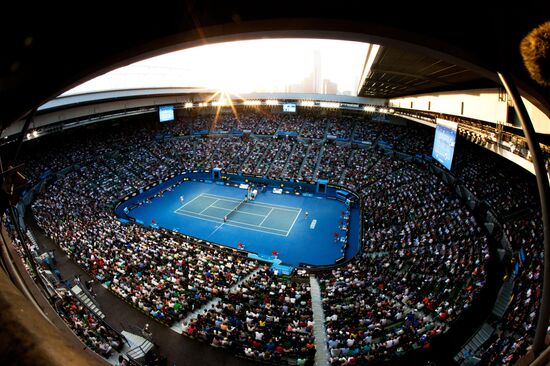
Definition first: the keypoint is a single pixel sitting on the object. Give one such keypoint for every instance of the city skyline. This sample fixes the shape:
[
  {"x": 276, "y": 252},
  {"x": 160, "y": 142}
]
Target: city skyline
[
  {"x": 315, "y": 82},
  {"x": 267, "y": 65}
]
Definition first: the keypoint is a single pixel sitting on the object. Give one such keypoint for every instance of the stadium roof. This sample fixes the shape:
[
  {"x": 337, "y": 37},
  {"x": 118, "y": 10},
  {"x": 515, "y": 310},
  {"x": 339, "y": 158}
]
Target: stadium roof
[
  {"x": 111, "y": 95},
  {"x": 324, "y": 66},
  {"x": 47, "y": 52},
  {"x": 277, "y": 65},
  {"x": 397, "y": 72},
  {"x": 101, "y": 96}
]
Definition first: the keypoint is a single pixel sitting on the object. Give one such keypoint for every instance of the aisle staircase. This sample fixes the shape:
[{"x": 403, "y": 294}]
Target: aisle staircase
[
  {"x": 304, "y": 160},
  {"x": 87, "y": 301},
  {"x": 261, "y": 159},
  {"x": 478, "y": 339},
  {"x": 138, "y": 345},
  {"x": 344, "y": 172},
  {"x": 287, "y": 161},
  {"x": 503, "y": 299},
  {"x": 178, "y": 327},
  {"x": 318, "y": 163},
  {"x": 486, "y": 330},
  {"x": 319, "y": 331}
]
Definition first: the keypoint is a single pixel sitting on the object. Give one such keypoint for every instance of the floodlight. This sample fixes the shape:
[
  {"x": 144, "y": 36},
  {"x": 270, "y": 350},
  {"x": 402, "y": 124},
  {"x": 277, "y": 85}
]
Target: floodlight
[
  {"x": 329, "y": 105},
  {"x": 252, "y": 102}
]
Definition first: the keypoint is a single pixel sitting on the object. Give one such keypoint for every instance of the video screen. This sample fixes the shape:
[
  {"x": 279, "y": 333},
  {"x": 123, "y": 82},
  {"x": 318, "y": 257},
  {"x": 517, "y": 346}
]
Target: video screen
[
  {"x": 166, "y": 113},
  {"x": 444, "y": 142},
  {"x": 289, "y": 107}
]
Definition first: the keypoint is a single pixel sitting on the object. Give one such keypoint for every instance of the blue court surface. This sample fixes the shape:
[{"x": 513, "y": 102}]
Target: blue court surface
[
  {"x": 251, "y": 215},
  {"x": 219, "y": 213}
]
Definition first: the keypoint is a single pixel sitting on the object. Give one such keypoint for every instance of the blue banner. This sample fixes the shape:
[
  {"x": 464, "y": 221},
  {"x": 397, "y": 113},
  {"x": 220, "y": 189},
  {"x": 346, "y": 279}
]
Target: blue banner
[
  {"x": 521, "y": 255},
  {"x": 287, "y": 133}
]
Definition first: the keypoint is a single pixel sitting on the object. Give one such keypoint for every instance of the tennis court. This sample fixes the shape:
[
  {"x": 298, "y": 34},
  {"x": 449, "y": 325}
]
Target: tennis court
[
  {"x": 271, "y": 222},
  {"x": 250, "y": 215}
]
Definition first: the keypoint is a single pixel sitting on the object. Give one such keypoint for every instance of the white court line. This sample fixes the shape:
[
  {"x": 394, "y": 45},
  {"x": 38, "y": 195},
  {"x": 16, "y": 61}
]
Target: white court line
[
  {"x": 229, "y": 224},
  {"x": 278, "y": 207},
  {"x": 202, "y": 216},
  {"x": 200, "y": 213},
  {"x": 221, "y": 208},
  {"x": 222, "y": 198},
  {"x": 285, "y": 208},
  {"x": 219, "y": 227},
  {"x": 244, "y": 223},
  {"x": 194, "y": 214},
  {"x": 182, "y": 206},
  {"x": 293, "y": 222},
  {"x": 230, "y": 200},
  {"x": 260, "y": 224},
  {"x": 238, "y": 203},
  {"x": 239, "y": 211}
]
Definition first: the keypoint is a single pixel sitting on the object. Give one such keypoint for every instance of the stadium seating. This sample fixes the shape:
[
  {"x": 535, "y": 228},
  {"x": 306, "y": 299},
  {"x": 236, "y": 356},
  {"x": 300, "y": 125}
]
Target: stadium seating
[
  {"x": 268, "y": 319},
  {"x": 422, "y": 263},
  {"x": 89, "y": 328}
]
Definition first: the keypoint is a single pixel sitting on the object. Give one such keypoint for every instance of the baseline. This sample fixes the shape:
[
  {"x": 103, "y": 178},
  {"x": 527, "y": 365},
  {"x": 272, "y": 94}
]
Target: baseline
[
  {"x": 268, "y": 205},
  {"x": 245, "y": 225},
  {"x": 293, "y": 222}
]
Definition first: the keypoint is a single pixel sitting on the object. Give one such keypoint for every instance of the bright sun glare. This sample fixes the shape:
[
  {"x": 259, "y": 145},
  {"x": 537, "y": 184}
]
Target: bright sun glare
[{"x": 266, "y": 65}]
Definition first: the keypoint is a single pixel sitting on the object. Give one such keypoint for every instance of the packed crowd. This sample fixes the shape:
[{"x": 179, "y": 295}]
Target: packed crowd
[
  {"x": 359, "y": 167},
  {"x": 402, "y": 138},
  {"x": 162, "y": 276},
  {"x": 333, "y": 162},
  {"x": 269, "y": 319},
  {"x": 92, "y": 330},
  {"x": 296, "y": 160},
  {"x": 423, "y": 263},
  {"x": 255, "y": 156},
  {"x": 89, "y": 328},
  {"x": 141, "y": 157},
  {"x": 505, "y": 189},
  {"x": 280, "y": 158},
  {"x": 511, "y": 194},
  {"x": 423, "y": 260},
  {"x": 515, "y": 331},
  {"x": 341, "y": 128}
]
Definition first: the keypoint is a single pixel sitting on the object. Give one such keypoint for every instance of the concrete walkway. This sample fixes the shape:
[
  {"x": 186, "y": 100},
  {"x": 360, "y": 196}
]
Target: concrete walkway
[
  {"x": 179, "y": 350},
  {"x": 321, "y": 356}
]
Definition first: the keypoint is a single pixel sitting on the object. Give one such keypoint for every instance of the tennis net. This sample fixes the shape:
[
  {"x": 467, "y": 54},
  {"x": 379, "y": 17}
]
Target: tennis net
[{"x": 236, "y": 209}]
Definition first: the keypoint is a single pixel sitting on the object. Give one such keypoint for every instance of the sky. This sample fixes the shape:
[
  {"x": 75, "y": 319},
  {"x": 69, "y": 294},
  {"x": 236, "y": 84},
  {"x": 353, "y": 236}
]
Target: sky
[{"x": 265, "y": 65}]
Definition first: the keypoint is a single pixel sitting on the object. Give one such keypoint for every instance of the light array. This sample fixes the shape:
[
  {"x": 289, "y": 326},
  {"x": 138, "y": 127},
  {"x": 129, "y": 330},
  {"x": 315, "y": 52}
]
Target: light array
[
  {"x": 222, "y": 102},
  {"x": 329, "y": 105},
  {"x": 252, "y": 102},
  {"x": 32, "y": 135}
]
